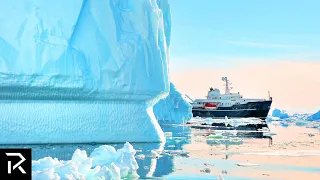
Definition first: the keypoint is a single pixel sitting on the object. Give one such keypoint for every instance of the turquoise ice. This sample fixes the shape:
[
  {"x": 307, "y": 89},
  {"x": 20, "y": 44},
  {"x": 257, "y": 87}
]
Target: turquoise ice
[
  {"x": 82, "y": 70},
  {"x": 174, "y": 109}
]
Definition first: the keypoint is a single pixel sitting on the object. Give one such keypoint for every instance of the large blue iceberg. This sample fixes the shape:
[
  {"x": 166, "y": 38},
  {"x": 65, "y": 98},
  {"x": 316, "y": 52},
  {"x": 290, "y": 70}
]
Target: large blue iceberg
[
  {"x": 315, "y": 116},
  {"x": 174, "y": 109},
  {"x": 82, "y": 70}
]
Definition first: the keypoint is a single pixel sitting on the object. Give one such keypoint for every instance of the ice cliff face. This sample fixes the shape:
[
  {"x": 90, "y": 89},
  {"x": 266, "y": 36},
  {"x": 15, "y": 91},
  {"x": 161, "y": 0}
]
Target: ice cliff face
[
  {"x": 82, "y": 70},
  {"x": 103, "y": 47},
  {"x": 174, "y": 109}
]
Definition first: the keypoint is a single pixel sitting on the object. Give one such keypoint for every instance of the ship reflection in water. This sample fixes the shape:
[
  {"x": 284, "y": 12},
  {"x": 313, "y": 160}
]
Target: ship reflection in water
[{"x": 207, "y": 153}]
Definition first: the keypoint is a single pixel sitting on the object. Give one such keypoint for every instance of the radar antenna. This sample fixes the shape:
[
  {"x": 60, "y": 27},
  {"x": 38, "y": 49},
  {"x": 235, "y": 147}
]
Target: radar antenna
[
  {"x": 269, "y": 96},
  {"x": 227, "y": 89}
]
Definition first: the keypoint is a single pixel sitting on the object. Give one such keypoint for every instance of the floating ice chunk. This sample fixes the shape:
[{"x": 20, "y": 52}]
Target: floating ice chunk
[
  {"x": 215, "y": 136},
  {"x": 247, "y": 164},
  {"x": 280, "y": 114},
  {"x": 79, "y": 156},
  {"x": 269, "y": 133},
  {"x": 45, "y": 163},
  {"x": 154, "y": 154},
  {"x": 301, "y": 123},
  {"x": 206, "y": 170},
  {"x": 284, "y": 124},
  {"x": 208, "y": 121},
  {"x": 168, "y": 134},
  {"x": 126, "y": 160},
  {"x": 103, "y": 163},
  {"x": 234, "y": 132},
  {"x": 224, "y": 140},
  {"x": 311, "y": 135},
  {"x": 45, "y": 174},
  {"x": 140, "y": 156},
  {"x": 69, "y": 168},
  {"x": 103, "y": 155}
]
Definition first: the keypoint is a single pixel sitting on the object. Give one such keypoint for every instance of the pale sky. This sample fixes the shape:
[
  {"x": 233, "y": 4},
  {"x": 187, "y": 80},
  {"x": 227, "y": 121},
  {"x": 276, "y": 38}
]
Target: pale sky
[{"x": 260, "y": 45}]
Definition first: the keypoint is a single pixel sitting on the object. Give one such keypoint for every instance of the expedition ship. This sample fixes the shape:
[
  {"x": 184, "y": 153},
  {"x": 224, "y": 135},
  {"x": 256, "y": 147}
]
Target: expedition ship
[{"x": 232, "y": 105}]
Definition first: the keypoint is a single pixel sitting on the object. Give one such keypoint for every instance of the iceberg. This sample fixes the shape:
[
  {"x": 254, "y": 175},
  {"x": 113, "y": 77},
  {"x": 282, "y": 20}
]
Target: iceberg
[
  {"x": 280, "y": 114},
  {"x": 82, "y": 71},
  {"x": 174, "y": 109},
  {"x": 315, "y": 116},
  {"x": 103, "y": 163}
]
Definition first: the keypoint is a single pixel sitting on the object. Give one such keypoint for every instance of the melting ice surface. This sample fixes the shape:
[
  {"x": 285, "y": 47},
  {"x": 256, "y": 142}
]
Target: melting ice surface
[{"x": 82, "y": 71}]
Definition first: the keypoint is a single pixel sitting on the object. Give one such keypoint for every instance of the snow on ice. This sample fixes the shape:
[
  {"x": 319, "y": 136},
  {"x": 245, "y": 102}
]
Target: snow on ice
[{"x": 103, "y": 163}]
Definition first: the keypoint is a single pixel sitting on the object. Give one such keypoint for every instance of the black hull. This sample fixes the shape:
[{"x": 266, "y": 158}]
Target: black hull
[{"x": 251, "y": 109}]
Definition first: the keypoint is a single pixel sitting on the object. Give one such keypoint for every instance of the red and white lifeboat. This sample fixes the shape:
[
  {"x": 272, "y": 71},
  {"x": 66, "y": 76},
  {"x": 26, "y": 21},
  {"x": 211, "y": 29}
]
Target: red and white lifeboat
[{"x": 210, "y": 105}]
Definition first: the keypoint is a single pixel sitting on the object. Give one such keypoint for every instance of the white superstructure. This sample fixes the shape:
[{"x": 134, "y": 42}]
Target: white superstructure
[{"x": 215, "y": 99}]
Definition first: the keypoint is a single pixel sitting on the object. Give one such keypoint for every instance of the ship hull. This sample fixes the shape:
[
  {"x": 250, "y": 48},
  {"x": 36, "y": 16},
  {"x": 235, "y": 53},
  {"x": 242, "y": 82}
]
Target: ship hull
[{"x": 251, "y": 109}]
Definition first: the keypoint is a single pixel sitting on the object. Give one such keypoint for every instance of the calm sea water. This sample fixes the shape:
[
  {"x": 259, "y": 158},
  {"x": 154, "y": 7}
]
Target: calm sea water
[{"x": 189, "y": 154}]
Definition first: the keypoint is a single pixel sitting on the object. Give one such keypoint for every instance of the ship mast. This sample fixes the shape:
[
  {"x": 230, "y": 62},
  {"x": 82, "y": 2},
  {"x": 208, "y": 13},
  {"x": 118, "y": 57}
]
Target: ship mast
[{"x": 227, "y": 89}]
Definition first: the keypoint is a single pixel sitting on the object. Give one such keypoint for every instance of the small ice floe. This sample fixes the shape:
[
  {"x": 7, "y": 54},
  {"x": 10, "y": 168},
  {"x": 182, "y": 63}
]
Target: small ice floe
[
  {"x": 168, "y": 134},
  {"x": 315, "y": 125},
  {"x": 234, "y": 132},
  {"x": 179, "y": 153},
  {"x": 103, "y": 163},
  {"x": 284, "y": 124},
  {"x": 269, "y": 133},
  {"x": 224, "y": 140},
  {"x": 154, "y": 154},
  {"x": 208, "y": 164},
  {"x": 208, "y": 121},
  {"x": 224, "y": 172},
  {"x": 206, "y": 170},
  {"x": 140, "y": 156},
  {"x": 171, "y": 146},
  {"x": 311, "y": 135},
  {"x": 247, "y": 164},
  {"x": 215, "y": 136},
  {"x": 301, "y": 123}
]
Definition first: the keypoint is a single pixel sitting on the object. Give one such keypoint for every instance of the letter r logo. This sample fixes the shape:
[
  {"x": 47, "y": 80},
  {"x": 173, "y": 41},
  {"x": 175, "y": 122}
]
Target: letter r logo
[{"x": 16, "y": 165}]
